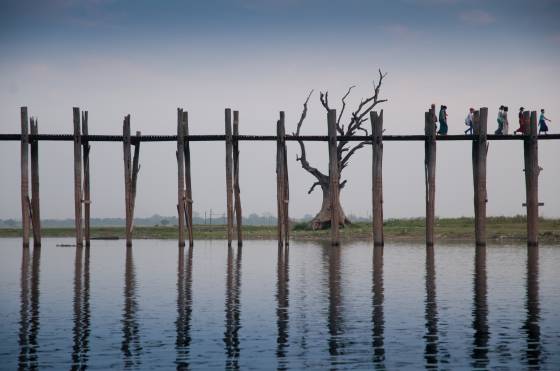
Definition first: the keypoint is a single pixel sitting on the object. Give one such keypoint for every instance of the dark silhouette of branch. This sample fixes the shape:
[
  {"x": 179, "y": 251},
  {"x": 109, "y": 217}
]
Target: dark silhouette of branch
[{"x": 313, "y": 187}]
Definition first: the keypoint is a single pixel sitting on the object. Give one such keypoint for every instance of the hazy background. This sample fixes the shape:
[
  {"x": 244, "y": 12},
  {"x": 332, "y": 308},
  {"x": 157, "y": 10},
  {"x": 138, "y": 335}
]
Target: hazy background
[{"x": 147, "y": 58}]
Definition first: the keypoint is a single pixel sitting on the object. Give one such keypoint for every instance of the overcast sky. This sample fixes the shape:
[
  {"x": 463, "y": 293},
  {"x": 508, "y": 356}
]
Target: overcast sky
[{"x": 147, "y": 58}]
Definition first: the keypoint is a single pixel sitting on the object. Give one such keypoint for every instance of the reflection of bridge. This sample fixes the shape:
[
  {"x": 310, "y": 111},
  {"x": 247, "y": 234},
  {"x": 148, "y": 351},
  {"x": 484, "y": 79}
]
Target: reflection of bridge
[
  {"x": 81, "y": 140},
  {"x": 336, "y": 322}
]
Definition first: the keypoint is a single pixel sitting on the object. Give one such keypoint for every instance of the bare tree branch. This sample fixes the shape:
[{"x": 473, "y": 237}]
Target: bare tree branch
[
  {"x": 324, "y": 98},
  {"x": 344, "y": 161},
  {"x": 339, "y": 128},
  {"x": 303, "y": 157},
  {"x": 313, "y": 187}
]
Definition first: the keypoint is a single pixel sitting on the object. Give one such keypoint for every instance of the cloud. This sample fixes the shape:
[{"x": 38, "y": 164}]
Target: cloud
[{"x": 477, "y": 17}]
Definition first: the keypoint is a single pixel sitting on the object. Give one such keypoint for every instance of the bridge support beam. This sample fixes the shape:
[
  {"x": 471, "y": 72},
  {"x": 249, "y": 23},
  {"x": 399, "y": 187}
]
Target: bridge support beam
[
  {"x": 377, "y": 176},
  {"x": 532, "y": 170},
  {"x": 430, "y": 173},
  {"x": 333, "y": 177},
  {"x": 479, "y": 153}
]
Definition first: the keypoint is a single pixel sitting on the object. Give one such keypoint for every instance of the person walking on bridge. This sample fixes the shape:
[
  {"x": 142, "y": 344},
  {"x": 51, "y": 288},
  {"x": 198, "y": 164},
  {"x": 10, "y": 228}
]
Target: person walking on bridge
[
  {"x": 542, "y": 123},
  {"x": 500, "y": 129},
  {"x": 469, "y": 121},
  {"x": 443, "y": 128},
  {"x": 522, "y": 124},
  {"x": 505, "y": 128}
]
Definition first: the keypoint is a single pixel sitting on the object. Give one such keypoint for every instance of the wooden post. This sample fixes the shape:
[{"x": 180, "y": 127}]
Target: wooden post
[
  {"x": 532, "y": 170},
  {"x": 188, "y": 186},
  {"x": 25, "y": 212},
  {"x": 479, "y": 152},
  {"x": 377, "y": 176},
  {"x": 236, "y": 189},
  {"x": 181, "y": 177},
  {"x": 229, "y": 175},
  {"x": 280, "y": 178},
  {"x": 127, "y": 167},
  {"x": 430, "y": 173},
  {"x": 286, "y": 185},
  {"x": 35, "y": 210},
  {"x": 333, "y": 177},
  {"x": 133, "y": 181},
  {"x": 78, "y": 177},
  {"x": 87, "y": 198}
]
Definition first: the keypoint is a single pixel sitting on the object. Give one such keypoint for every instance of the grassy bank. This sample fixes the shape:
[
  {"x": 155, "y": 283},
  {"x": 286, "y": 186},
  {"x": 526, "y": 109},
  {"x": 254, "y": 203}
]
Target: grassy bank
[{"x": 499, "y": 229}]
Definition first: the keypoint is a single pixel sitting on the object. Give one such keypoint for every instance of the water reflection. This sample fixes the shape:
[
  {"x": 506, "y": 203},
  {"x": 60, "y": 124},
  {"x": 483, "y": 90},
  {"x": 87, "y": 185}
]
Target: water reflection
[
  {"x": 184, "y": 308},
  {"x": 29, "y": 309},
  {"x": 282, "y": 300},
  {"x": 335, "y": 315},
  {"x": 232, "y": 309},
  {"x": 130, "y": 346},
  {"x": 479, "y": 354},
  {"x": 531, "y": 326},
  {"x": 431, "y": 313},
  {"x": 81, "y": 327},
  {"x": 377, "y": 314}
]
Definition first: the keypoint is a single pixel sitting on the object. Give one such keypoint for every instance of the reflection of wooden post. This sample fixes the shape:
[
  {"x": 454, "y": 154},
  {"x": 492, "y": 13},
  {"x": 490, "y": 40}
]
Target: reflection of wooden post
[
  {"x": 236, "y": 189},
  {"x": 280, "y": 177},
  {"x": 430, "y": 173},
  {"x": 479, "y": 152},
  {"x": 286, "y": 185},
  {"x": 181, "y": 177},
  {"x": 377, "y": 176},
  {"x": 229, "y": 175},
  {"x": 78, "y": 177},
  {"x": 188, "y": 186},
  {"x": 25, "y": 212},
  {"x": 87, "y": 198},
  {"x": 35, "y": 212},
  {"x": 333, "y": 177},
  {"x": 531, "y": 155}
]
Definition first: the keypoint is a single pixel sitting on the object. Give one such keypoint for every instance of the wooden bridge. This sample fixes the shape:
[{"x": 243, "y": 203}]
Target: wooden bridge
[{"x": 30, "y": 138}]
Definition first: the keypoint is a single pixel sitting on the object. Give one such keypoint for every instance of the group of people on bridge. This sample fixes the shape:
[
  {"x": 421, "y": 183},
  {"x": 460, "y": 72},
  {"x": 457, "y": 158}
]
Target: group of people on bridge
[{"x": 503, "y": 123}]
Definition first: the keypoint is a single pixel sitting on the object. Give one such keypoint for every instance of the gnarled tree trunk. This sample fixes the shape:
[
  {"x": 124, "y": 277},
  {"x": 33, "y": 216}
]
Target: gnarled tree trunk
[{"x": 323, "y": 218}]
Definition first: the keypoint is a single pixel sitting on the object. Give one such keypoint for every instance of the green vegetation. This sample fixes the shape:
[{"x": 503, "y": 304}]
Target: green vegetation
[{"x": 499, "y": 229}]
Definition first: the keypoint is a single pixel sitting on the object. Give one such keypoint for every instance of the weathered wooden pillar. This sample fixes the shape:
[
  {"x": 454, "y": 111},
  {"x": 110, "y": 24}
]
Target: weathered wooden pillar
[
  {"x": 131, "y": 169},
  {"x": 236, "y": 189},
  {"x": 286, "y": 187},
  {"x": 181, "y": 177},
  {"x": 532, "y": 170},
  {"x": 229, "y": 175},
  {"x": 430, "y": 173},
  {"x": 133, "y": 181},
  {"x": 35, "y": 208},
  {"x": 25, "y": 212},
  {"x": 280, "y": 178},
  {"x": 78, "y": 177},
  {"x": 377, "y": 176},
  {"x": 188, "y": 186},
  {"x": 479, "y": 152},
  {"x": 333, "y": 177},
  {"x": 87, "y": 198}
]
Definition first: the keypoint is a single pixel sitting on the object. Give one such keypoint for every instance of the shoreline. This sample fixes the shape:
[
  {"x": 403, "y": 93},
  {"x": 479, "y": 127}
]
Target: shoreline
[{"x": 499, "y": 230}]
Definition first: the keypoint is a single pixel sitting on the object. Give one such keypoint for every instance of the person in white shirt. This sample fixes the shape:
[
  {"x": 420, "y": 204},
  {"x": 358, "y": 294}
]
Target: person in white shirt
[{"x": 469, "y": 121}]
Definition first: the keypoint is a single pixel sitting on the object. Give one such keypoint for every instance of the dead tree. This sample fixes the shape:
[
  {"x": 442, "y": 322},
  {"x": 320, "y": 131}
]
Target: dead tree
[{"x": 355, "y": 124}]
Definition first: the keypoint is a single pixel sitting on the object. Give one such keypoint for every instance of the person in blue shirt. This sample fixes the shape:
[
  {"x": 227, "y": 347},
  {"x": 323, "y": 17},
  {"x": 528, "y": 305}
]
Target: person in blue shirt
[
  {"x": 443, "y": 121},
  {"x": 542, "y": 123}
]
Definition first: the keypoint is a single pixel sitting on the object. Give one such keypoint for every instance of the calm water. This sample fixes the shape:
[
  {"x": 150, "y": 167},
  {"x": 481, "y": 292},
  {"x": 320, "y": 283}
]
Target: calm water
[{"x": 157, "y": 306}]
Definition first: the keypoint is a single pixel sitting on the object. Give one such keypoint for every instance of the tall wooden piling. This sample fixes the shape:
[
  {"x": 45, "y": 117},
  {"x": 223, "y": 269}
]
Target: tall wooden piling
[
  {"x": 479, "y": 152},
  {"x": 127, "y": 173},
  {"x": 35, "y": 208},
  {"x": 286, "y": 187},
  {"x": 430, "y": 173},
  {"x": 333, "y": 177},
  {"x": 25, "y": 212},
  {"x": 377, "y": 176},
  {"x": 180, "y": 177},
  {"x": 78, "y": 177},
  {"x": 280, "y": 178},
  {"x": 229, "y": 175},
  {"x": 236, "y": 188},
  {"x": 188, "y": 185},
  {"x": 133, "y": 181},
  {"x": 532, "y": 170},
  {"x": 87, "y": 198}
]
